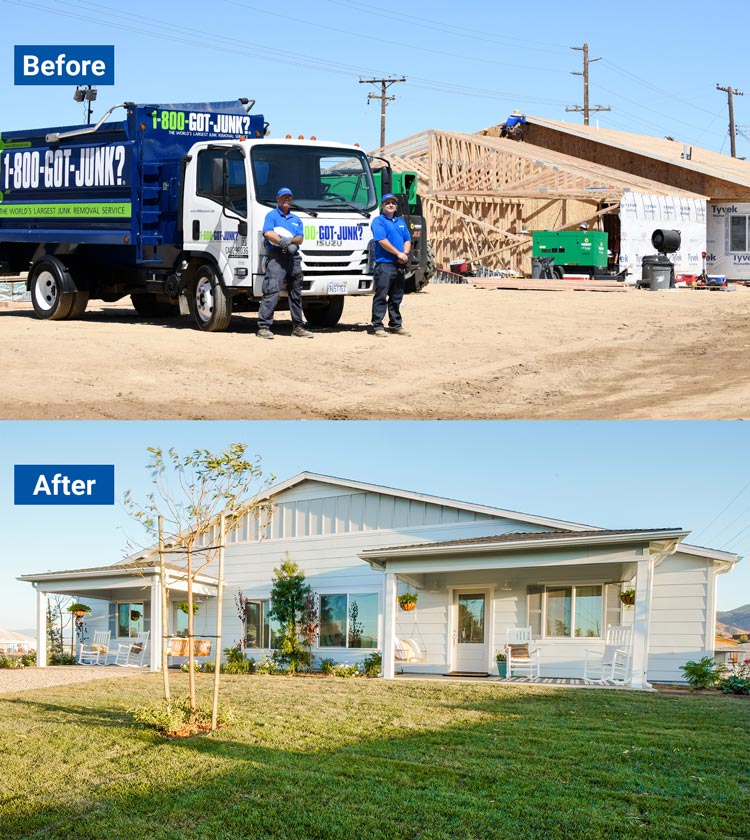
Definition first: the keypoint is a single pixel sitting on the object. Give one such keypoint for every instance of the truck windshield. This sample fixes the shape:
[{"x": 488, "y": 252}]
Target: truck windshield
[{"x": 322, "y": 179}]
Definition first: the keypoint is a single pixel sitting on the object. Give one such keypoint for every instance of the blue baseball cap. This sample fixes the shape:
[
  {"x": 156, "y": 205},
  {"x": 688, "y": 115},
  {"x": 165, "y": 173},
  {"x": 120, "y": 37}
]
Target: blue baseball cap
[
  {"x": 284, "y": 191},
  {"x": 387, "y": 196}
]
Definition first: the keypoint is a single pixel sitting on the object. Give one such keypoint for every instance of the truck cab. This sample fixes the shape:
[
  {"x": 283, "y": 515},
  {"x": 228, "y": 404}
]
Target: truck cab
[{"x": 228, "y": 190}]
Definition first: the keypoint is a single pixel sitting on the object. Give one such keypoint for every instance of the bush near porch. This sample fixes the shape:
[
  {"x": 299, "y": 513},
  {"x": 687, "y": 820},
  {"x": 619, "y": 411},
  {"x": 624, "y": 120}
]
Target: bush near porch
[{"x": 317, "y": 758}]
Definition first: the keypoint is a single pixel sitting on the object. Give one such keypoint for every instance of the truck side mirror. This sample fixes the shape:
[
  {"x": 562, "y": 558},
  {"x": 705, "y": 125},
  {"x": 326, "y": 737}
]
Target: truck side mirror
[{"x": 242, "y": 229}]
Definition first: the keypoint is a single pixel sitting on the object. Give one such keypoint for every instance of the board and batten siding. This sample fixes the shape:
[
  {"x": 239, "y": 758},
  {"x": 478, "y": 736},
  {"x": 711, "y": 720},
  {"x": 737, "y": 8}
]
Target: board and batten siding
[
  {"x": 295, "y": 515},
  {"x": 680, "y": 606}
]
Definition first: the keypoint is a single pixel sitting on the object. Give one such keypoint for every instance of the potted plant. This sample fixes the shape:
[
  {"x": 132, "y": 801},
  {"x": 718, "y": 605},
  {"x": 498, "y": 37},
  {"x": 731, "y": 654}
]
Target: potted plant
[
  {"x": 135, "y": 615},
  {"x": 407, "y": 601},
  {"x": 183, "y": 607},
  {"x": 627, "y": 596},
  {"x": 79, "y": 610},
  {"x": 502, "y": 664}
]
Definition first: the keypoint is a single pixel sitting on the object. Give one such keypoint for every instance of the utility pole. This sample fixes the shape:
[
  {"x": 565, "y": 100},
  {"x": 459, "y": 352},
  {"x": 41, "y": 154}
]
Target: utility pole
[
  {"x": 730, "y": 101},
  {"x": 586, "y": 109},
  {"x": 384, "y": 85}
]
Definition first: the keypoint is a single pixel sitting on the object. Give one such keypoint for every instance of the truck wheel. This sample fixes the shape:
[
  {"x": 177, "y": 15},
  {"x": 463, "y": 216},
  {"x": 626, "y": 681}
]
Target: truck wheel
[
  {"x": 209, "y": 304},
  {"x": 149, "y": 306},
  {"x": 78, "y": 305},
  {"x": 47, "y": 282},
  {"x": 558, "y": 272},
  {"x": 324, "y": 314}
]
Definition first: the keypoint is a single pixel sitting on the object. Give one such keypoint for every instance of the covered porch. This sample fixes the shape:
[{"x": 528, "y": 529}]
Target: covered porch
[
  {"x": 126, "y": 599},
  {"x": 565, "y": 586}
]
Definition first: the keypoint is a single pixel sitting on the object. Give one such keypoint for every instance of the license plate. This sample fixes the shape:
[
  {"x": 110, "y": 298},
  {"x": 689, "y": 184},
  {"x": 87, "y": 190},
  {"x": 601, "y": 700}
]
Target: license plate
[{"x": 337, "y": 288}]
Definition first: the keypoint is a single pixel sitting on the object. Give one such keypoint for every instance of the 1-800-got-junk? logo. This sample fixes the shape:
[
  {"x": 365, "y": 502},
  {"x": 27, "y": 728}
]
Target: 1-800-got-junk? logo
[{"x": 64, "y": 65}]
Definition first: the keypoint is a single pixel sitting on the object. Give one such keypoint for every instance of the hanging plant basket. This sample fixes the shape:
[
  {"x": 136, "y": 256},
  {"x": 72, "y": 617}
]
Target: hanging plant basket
[
  {"x": 628, "y": 597},
  {"x": 79, "y": 610},
  {"x": 408, "y": 601}
]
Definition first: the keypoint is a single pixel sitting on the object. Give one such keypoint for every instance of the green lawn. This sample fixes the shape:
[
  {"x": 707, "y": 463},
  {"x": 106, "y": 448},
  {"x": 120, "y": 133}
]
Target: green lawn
[{"x": 332, "y": 758}]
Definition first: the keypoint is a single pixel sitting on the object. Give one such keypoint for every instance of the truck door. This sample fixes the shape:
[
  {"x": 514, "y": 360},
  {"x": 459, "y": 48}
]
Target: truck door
[{"x": 216, "y": 217}]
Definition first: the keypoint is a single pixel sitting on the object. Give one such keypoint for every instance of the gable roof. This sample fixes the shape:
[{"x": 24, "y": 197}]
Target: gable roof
[{"x": 365, "y": 487}]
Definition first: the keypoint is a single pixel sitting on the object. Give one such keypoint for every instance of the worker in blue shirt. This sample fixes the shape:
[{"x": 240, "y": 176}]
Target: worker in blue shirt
[
  {"x": 283, "y": 264},
  {"x": 392, "y": 246}
]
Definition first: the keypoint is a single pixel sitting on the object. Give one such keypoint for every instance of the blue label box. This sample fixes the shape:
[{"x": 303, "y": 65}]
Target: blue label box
[
  {"x": 64, "y": 65},
  {"x": 64, "y": 484}
]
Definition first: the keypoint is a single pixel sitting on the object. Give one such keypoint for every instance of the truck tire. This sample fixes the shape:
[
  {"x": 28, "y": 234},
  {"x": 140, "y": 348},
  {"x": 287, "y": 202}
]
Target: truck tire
[
  {"x": 150, "y": 306},
  {"x": 209, "y": 304},
  {"x": 324, "y": 314},
  {"x": 48, "y": 280},
  {"x": 417, "y": 281}
]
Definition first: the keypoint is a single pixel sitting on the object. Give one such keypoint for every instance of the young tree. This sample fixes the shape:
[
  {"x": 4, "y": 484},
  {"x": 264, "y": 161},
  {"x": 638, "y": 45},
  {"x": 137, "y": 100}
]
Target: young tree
[
  {"x": 288, "y": 595},
  {"x": 197, "y": 500}
]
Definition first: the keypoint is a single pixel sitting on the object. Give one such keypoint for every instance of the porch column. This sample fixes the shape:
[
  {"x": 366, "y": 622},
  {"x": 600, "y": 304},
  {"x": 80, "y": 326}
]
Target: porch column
[
  {"x": 155, "y": 637},
  {"x": 389, "y": 627},
  {"x": 644, "y": 579},
  {"x": 41, "y": 629}
]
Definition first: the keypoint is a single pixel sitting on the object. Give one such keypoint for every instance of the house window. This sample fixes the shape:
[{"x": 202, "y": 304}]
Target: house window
[
  {"x": 129, "y": 620},
  {"x": 349, "y": 621},
  {"x": 180, "y": 622},
  {"x": 261, "y": 631},
  {"x": 738, "y": 233},
  {"x": 566, "y": 611}
]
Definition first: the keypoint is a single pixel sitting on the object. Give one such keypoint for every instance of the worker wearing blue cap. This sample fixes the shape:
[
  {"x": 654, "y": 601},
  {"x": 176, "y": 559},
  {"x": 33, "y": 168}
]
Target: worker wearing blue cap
[
  {"x": 392, "y": 246},
  {"x": 283, "y": 232}
]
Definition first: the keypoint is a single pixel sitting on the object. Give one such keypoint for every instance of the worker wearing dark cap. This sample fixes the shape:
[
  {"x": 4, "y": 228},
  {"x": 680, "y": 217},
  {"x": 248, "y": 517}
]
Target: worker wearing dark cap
[{"x": 392, "y": 246}]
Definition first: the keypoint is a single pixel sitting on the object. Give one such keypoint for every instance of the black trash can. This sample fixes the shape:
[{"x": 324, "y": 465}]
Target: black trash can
[{"x": 657, "y": 273}]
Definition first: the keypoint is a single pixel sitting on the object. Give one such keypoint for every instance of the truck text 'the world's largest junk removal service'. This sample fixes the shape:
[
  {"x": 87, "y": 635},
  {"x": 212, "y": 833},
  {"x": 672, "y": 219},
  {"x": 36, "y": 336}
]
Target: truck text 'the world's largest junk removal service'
[{"x": 168, "y": 207}]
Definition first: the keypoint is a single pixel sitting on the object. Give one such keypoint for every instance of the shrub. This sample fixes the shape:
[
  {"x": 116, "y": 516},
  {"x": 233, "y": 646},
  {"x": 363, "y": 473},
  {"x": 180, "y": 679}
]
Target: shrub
[
  {"x": 737, "y": 682},
  {"x": 10, "y": 662},
  {"x": 267, "y": 665},
  {"x": 175, "y": 719},
  {"x": 702, "y": 674},
  {"x": 372, "y": 665},
  {"x": 62, "y": 659},
  {"x": 29, "y": 658},
  {"x": 346, "y": 671},
  {"x": 186, "y": 666},
  {"x": 208, "y": 667},
  {"x": 327, "y": 667}
]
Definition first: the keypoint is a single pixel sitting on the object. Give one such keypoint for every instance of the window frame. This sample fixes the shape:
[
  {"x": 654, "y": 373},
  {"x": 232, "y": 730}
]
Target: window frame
[
  {"x": 537, "y": 616},
  {"x": 731, "y": 217},
  {"x": 140, "y": 624},
  {"x": 349, "y": 596}
]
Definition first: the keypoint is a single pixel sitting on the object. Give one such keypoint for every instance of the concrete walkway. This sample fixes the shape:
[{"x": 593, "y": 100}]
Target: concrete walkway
[{"x": 29, "y": 679}]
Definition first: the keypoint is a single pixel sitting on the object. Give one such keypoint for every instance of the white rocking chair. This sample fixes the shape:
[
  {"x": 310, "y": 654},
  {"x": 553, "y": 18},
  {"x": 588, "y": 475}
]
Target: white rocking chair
[
  {"x": 133, "y": 654},
  {"x": 521, "y": 654},
  {"x": 612, "y": 665},
  {"x": 96, "y": 652}
]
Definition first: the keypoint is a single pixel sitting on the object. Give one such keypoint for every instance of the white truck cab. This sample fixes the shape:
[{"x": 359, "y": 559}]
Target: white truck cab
[{"x": 228, "y": 189}]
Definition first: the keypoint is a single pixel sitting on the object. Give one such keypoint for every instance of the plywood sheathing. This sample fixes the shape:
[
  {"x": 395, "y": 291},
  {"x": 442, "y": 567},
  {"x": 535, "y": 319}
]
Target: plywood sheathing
[
  {"x": 483, "y": 195},
  {"x": 670, "y": 162}
]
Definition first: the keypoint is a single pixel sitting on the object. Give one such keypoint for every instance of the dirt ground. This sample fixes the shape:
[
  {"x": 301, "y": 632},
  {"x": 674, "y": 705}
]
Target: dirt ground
[{"x": 473, "y": 353}]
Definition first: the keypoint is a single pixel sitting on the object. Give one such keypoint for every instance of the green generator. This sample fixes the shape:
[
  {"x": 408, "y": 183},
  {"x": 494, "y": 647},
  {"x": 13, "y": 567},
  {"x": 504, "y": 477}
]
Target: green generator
[{"x": 585, "y": 248}]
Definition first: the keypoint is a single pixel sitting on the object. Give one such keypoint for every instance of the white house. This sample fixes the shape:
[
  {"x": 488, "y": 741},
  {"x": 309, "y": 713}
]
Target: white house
[{"x": 477, "y": 571}]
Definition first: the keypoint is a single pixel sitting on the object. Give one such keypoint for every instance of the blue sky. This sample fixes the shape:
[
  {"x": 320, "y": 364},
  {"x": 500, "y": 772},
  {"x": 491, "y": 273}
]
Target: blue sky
[
  {"x": 467, "y": 65},
  {"x": 609, "y": 474}
]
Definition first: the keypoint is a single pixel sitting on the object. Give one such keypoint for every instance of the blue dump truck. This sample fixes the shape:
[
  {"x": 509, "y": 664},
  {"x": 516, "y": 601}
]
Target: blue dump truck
[{"x": 168, "y": 206}]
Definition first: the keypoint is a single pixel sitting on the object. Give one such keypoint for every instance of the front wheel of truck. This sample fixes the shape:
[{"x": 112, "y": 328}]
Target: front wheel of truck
[
  {"x": 326, "y": 314},
  {"x": 49, "y": 281},
  {"x": 209, "y": 304}
]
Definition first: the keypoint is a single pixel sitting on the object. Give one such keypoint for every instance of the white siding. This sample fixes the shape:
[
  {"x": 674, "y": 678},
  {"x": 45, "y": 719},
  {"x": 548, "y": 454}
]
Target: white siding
[{"x": 678, "y": 616}]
